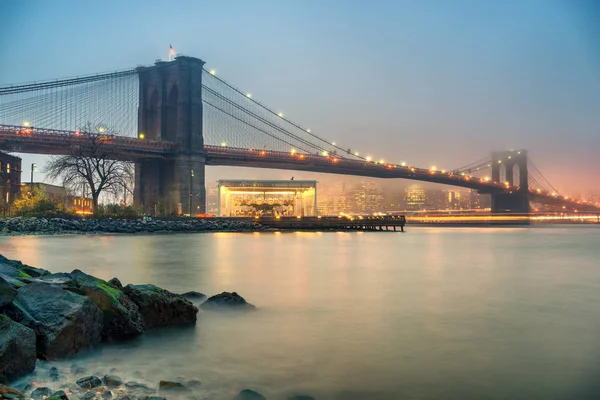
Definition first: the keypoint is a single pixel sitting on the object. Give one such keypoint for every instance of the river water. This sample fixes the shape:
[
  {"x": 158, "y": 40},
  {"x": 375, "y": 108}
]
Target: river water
[{"x": 434, "y": 313}]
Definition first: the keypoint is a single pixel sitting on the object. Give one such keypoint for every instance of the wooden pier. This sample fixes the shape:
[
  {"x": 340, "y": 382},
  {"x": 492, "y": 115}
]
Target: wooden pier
[{"x": 346, "y": 223}]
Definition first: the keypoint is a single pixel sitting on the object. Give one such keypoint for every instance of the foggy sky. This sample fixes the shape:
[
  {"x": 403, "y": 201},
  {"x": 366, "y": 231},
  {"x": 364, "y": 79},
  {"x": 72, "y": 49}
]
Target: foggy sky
[{"x": 427, "y": 82}]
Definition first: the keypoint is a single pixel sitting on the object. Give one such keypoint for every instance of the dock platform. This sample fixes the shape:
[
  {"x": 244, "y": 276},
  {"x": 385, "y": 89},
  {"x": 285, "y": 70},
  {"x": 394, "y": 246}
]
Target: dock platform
[{"x": 348, "y": 223}]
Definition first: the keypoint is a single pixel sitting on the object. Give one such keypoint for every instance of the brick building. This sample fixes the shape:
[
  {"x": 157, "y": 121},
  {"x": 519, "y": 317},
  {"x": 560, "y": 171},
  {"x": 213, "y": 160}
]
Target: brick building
[{"x": 10, "y": 179}]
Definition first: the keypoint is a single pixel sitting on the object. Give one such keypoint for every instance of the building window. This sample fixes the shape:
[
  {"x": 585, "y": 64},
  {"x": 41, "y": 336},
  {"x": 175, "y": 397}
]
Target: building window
[{"x": 8, "y": 168}]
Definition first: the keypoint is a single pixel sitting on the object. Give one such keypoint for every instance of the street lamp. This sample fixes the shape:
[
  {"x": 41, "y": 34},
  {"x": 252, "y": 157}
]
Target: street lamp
[
  {"x": 191, "y": 183},
  {"x": 33, "y": 168}
]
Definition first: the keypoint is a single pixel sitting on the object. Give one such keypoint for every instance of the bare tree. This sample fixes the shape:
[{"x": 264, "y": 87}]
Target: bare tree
[{"x": 93, "y": 162}]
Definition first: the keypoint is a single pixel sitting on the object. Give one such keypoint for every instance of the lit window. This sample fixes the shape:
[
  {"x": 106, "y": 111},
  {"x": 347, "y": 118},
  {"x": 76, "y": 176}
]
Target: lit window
[{"x": 8, "y": 168}]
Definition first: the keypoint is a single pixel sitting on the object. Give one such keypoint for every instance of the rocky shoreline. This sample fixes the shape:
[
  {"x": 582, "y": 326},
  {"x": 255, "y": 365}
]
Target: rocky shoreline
[
  {"x": 60, "y": 226},
  {"x": 51, "y": 316}
]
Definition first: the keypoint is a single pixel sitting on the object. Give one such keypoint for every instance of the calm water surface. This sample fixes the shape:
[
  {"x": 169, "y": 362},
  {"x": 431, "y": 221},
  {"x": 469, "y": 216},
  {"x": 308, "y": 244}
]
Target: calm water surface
[{"x": 429, "y": 314}]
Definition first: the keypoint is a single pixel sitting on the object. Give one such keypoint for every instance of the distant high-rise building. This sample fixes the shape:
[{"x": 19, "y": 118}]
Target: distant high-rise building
[
  {"x": 212, "y": 195},
  {"x": 414, "y": 198},
  {"x": 452, "y": 200},
  {"x": 366, "y": 198}
]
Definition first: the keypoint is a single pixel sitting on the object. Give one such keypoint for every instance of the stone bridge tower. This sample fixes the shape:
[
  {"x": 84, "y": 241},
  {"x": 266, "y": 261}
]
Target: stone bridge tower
[
  {"x": 516, "y": 201},
  {"x": 170, "y": 109}
]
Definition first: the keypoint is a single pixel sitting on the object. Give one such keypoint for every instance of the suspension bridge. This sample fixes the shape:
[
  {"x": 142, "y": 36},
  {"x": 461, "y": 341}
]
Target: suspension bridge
[{"x": 175, "y": 117}]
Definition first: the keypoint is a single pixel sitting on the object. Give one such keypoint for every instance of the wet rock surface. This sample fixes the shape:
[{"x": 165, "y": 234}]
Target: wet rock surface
[
  {"x": 53, "y": 316},
  {"x": 227, "y": 301},
  {"x": 64, "y": 322},
  {"x": 7, "y": 293},
  {"x": 121, "y": 316},
  {"x": 17, "y": 349},
  {"x": 161, "y": 308}
]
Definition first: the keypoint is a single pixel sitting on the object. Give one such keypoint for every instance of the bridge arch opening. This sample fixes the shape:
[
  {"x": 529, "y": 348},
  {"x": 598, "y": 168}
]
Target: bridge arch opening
[
  {"x": 153, "y": 117},
  {"x": 516, "y": 175},
  {"x": 503, "y": 173},
  {"x": 171, "y": 115}
]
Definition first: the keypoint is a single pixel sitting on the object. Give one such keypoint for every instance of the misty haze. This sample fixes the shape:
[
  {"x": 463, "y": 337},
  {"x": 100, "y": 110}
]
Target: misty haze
[{"x": 299, "y": 200}]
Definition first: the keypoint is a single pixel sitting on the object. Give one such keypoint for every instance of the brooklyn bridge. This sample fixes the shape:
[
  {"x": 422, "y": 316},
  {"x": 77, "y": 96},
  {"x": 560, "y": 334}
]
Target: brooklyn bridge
[{"x": 174, "y": 118}]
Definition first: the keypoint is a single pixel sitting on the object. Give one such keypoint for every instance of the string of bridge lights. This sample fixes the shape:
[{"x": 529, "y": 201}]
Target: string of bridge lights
[{"x": 280, "y": 114}]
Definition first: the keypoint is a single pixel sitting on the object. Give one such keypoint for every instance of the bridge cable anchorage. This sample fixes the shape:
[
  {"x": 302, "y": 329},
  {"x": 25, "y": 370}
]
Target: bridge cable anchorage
[
  {"x": 259, "y": 118},
  {"x": 542, "y": 175},
  {"x": 304, "y": 130}
]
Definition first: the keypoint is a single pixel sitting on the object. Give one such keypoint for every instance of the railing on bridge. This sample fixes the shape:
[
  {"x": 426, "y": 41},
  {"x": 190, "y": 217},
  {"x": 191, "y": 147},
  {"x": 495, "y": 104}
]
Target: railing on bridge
[
  {"x": 334, "y": 160},
  {"x": 56, "y": 138}
]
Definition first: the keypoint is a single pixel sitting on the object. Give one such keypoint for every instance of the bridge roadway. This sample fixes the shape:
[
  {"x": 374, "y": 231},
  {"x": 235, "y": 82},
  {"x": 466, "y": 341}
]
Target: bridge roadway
[{"x": 51, "y": 141}]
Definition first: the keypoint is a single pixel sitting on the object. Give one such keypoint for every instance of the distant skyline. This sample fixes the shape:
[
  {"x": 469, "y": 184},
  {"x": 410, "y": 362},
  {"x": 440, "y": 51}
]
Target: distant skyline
[{"x": 428, "y": 82}]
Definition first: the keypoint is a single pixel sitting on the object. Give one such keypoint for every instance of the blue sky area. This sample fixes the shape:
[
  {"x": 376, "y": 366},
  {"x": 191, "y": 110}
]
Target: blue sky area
[{"x": 429, "y": 82}]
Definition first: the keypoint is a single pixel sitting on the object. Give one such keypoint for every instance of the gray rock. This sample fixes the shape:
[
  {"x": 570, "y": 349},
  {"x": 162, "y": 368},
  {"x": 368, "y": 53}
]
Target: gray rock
[
  {"x": 193, "y": 384},
  {"x": 8, "y": 392},
  {"x": 227, "y": 300},
  {"x": 137, "y": 387},
  {"x": 89, "y": 382},
  {"x": 7, "y": 293},
  {"x": 193, "y": 295},
  {"x": 14, "y": 282},
  {"x": 107, "y": 394},
  {"x": 17, "y": 269},
  {"x": 64, "y": 322},
  {"x": 40, "y": 392},
  {"x": 116, "y": 283},
  {"x": 60, "y": 395},
  {"x": 121, "y": 316},
  {"x": 248, "y": 394},
  {"x": 170, "y": 386},
  {"x": 17, "y": 350},
  {"x": 112, "y": 380},
  {"x": 160, "y": 307},
  {"x": 88, "y": 396}
]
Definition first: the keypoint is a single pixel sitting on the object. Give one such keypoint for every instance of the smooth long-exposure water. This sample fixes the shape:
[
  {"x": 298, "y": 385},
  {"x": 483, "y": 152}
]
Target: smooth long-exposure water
[{"x": 429, "y": 314}]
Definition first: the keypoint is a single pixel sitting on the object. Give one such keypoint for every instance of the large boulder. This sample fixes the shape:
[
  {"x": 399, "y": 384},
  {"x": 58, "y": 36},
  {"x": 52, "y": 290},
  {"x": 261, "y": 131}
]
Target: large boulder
[
  {"x": 17, "y": 269},
  {"x": 122, "y": 317},
  {"x": 160, "y": 307},
  {"x": 227, "y": 300},
  {"x": 64, "y": 322},
  {"x": 14, "y": 282},
  {"x": 7, "y": 293},
  {"x": 17, "y": 350}
]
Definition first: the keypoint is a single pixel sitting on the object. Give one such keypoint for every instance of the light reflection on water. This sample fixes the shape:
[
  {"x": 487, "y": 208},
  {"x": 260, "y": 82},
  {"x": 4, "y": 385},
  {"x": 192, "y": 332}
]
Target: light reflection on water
[{"x": 430, "y": 314}]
